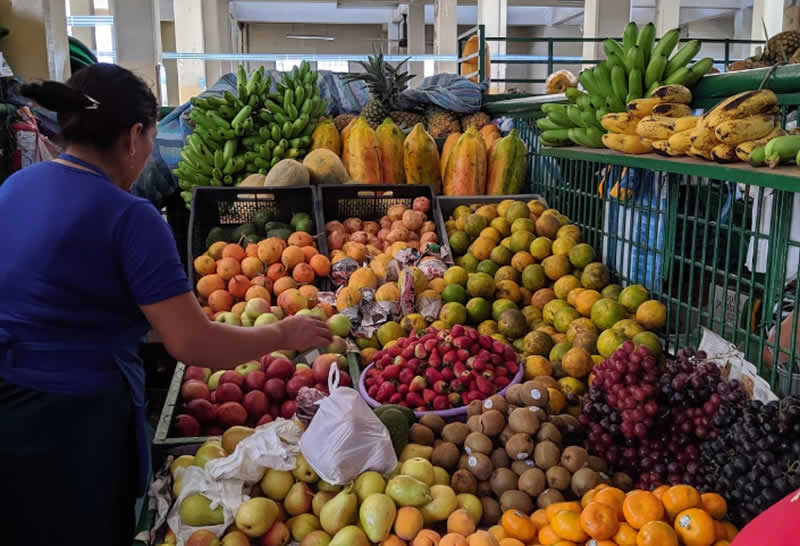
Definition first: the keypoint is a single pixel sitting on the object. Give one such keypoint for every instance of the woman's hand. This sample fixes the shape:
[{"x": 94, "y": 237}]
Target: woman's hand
[{"x": 302, "y": 333}]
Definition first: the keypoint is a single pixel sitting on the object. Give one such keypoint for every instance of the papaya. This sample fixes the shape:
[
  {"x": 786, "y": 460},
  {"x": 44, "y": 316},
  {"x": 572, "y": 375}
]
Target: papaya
[
  {"x": 471, "y": 65},
  {"x": 449, "y": 144},
  {"x": 327, "y": 136},
  {"x": 490, "y": 134},
  {"x": 466, "y": 166},
  {"x": 363, "y": 159},
  {"x": 507, "y": 166},
  {"x": 390, "y": 142},
  {"x": 345, "y": 148},
  {"x": 421, "y": 159}
]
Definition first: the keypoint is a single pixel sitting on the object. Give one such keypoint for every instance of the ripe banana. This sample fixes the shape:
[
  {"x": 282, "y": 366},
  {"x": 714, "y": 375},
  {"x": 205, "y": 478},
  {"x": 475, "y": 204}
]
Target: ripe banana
[
  {"x": 672, "y": 110},
  {"x": 642, "y": 107},
  {"x": 660, "y": 147},
  {"x": 740, "y": 106},
  {"x": 724, "y": 153},
  {"x": 687, "y": 122},
  {"x": 700, "y": 154},
  {"x": 680, "y": 142},
  {"x": 628, "y": 144},
  {"x": 736, "y": 131},
  {"x": 620, "y": 123},
  {"x": 656, "y": 127},
  {"x": 672, "y": 93},
  {"x": 703, "y": 137},
  {"x": 744, "y": 149}
]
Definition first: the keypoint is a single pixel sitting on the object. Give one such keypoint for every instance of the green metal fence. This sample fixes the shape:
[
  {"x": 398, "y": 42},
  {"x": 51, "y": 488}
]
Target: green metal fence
[{"x": 718, "y": 244}]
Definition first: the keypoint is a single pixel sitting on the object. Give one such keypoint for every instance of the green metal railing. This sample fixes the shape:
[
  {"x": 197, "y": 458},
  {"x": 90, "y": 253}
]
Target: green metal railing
[{"x": 716, "y": 243}]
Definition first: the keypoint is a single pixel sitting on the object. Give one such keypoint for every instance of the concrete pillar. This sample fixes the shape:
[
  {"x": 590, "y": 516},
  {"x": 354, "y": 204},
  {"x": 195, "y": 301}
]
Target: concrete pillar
[
  {"x": 607, "y": 21},
  {"x": 668, "y": 15},
  {"x": 771, "y": 12},
  {"x": 216, "y": 37},
  {"x": 393, "y": 33},
  {"x": 137, "y": 38},
  {"x": 36, "y": 47},
  {"x": 84, "y": 34},
  {"x": 493, "y": 14},
  {"x": 189, "y": 39},
  {"x": 742, "y": 30},
  {"x": 445, "y": 34},
  {"x": 170, "y": 66},
  {"x": 416, "y": 39}
]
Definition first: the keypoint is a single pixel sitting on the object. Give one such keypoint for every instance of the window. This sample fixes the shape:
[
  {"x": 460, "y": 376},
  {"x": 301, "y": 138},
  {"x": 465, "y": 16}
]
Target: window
[
  {"x": 105, "y": 43},
  {"x": 334, "y": 66},
  {"x": 429, "y": 68},
  {"x": 285, "y": 65},
  {"x": 100, "y": 4}
]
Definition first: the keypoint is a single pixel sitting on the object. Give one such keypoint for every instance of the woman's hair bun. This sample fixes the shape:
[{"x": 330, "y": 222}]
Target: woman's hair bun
[{"x": 58, "y": 97}]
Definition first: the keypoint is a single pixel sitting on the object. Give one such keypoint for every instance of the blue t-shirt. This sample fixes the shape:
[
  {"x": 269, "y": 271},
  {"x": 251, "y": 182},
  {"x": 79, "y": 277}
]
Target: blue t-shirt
[{"x": 78, "y": 255}]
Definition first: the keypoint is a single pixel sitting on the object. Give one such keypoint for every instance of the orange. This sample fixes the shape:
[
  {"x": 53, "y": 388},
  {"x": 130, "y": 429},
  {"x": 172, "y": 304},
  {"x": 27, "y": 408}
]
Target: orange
[
  {"x": 300, "y": 238},
  {"x": 567, "y": 525},
  {"x": 310, "y": 293},
  {"x": 276, "y": 271},
  {"x": 612, "y": 497},
  {"x": 659, "y": 491},
  {"x": 714, "y": 504},
  {"x": 725, "y": 530},
  {"x": 722, "y": 543},
  {"x": 656, "y": 533},
  {"x": 539, "y": 518},
  {"x": 209, "y": 284},
  {"x": 518, "y": 525},
  {"x": 238, "y": 286},
  {"x": 204, "y": 265},
  {"x": 585, "y": 300},
  {"x": 595, "y": 542},
  {"x": 282, "y": 284},
  {"x": 215, "y": 250},
  {"x": 640, "y": 507},
  {"x": 508, "y": 542},
  {"x": 228, "y": 267},
  {"x": 695, "y": 527},
  {"x": 309, "y": 251},
  {"x": 269, "y": 250},
  {"x": 678, "y": 498},
  {"x": 626, "y": 535},
  {"x": 547, "y": 536},
  {"x": 565, "y": 543},
  {"x": 256, "y": 291},
  {"x": 292, "y": 255},
  {"x": 234, "y": 251},
  {"x": 588, "y": 497},
  {"x": 303, "y": 273},
  {"x": 220, "y": 300},
  {"x": 460, "y": 522},
  {"x": 252, "y": 267},
  {"x": 408, "y": 522},
  {"x": 251, "y": 250},
  {"x": 321, "y": 265},
  {"x": 497, "y": 532},
  {"x": 556, "y": 507},
  {"x": 453, "y": 539},
  {"x": 599, "y": 520}
]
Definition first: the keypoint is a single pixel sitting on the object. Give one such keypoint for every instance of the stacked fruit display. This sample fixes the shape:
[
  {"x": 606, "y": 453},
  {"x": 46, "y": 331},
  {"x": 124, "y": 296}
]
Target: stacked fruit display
[
  {"x": 250, "y": 132},
  {"x": 253, "y": 393}
]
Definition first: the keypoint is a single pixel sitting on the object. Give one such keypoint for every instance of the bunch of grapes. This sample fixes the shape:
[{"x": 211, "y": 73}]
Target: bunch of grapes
[{"x": 755, "y": 460}]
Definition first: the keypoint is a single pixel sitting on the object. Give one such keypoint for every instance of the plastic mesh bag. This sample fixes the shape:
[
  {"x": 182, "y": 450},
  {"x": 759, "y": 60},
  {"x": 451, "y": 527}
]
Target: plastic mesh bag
[{"x": 346, "y": 438}]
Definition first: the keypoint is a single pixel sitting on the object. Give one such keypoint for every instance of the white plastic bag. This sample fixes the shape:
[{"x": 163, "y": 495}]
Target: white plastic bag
[{"x": 346, "y": 438}]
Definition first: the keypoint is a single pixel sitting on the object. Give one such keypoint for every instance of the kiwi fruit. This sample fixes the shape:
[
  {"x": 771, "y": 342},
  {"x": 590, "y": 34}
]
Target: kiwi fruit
[
  {"x": 484, "y": 488},
  {"x": 514, "y": 395},
  {"x": 474, "y": 423},
  {"x": 420, "y": 434},
  {"x": 502, "y": 479},
  {"x": 480, "y": 466},
  {"x": 507, "y": 433},
  {"x": 499, "y": 458},
  {"x": 583, "y": 481},
  {"x": 566, "y": 423},
  {"x": 540, "y": 413},
  {"x": 522, "y": 420},
  {"x": 519, "y": 467},
  {"x": 533, "y": 481},
  {"x": 434, "y": 422},
  {"x": 462, "y": 481},
  {"x": 548, "y": 431},
  {"x": 598, "y": 464},
  {"x": 602, "y": 477},
  {"x": 546, "y": 454},
  {"x": 622, "y": 481},
  {"x": 573, "y": 458},
  {"x": 492, "y": 422},
  {"x": 548, "y": 381},
  {"x": 491, "y": 511},
  {"x": 548, "y": 497},
  {"x": 455, "y": 433},
  {"x": 462, "y": 461},
  {"x": 478, "y": 442},
  {"x": 519, "y": 446},
  {"x": 515, "y": 499},
  {"x": 535, "y": 393},
  {"x": 446, "y": 455},
  {"x": 495, "y": 402},
  {"x": 558, "y": 477},
  {"x": 474, "y": 408}
]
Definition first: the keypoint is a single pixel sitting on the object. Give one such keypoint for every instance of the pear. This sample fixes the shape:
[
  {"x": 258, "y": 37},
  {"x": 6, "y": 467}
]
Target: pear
[
  {"x": 408, "y": 491},
  {"x": 303, "y": 525},
  {"x": 322, "y": 485},
  {"x": 319, "y": 500},
  {"x": 303, "y": 471},
  {"x": 367, "y": 484},
  {"x": 419, "y": 468},
  {"x": 440, "y": 476},
  {"x": 276, "y": 483},
  {"x": 181, "y": 462},
  {"x": 255, "y": 516},
  {"x": 233, "y": 436},
  {"x": 177, "y": 486},
  {"x": 196, "y": 511},
  {"x": 377, "y": 514},
  {"x": 339, "y": 511},
  {"x": 443, "y": 504},
  {"x": 350, "y": 536},
  {"x": 471, "y": 504},
  {"x": 316, "y": 538},
  {"x": 298, "y": 499},
  {"x": 207, "y": 452}
]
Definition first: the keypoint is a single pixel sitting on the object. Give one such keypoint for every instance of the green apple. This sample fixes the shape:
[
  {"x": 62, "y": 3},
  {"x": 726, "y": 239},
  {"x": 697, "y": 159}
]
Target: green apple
[
  {"x": 319, "y": 312},
  {"x": 213, "y": 381},
  {"x": 256, "y": 307},
  {"x": 305, "y": 313},
  {"x": 229, "y": 318},
  {"x": 265, "y": 319},
  {"x": 246, "y": 320},
  {"x": 301, "y": 366},
  {"x": 340, "y": 325},
  {"x": 277, "y": 311},
  {"x": 248, "y": 367}
]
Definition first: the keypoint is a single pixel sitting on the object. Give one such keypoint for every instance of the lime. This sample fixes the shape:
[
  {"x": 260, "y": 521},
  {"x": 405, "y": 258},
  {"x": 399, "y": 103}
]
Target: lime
[
  {"x": 521, "y": 240},
  {"x": 475, "y": 224},
  {"x": 478, "y": 310},
  {"x": 581, "y": 255},
  {"x": 506, "y": 273},
  {"x": 488, "y": 267},
  {"x": 461, "y": 210},
  {"x": 455, "y": 275},
  {"x": 454, "y": 292},
  {"x": 502, "y": 226},
  {"x": 632, "y": 297},
  {"x": 453, "y": 313},
  {"x": 459, "y": 241},
  {"x": 501, "y": 305},
  {"x": 516, "y": 210},
  {"x": 468, "y": 262},
  {"x": 480, "y": 285},
  {"x": 612, "y": 291},
  {"x": 491, "y": 233},
  {"x": 522, "y": 224},
  {"x": 533, "y": 277},
  {"x": 501, "y": 255}
]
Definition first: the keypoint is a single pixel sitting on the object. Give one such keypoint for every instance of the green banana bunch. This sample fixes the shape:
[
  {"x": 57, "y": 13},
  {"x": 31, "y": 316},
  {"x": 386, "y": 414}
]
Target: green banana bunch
[{"x": 577, "y": 122}]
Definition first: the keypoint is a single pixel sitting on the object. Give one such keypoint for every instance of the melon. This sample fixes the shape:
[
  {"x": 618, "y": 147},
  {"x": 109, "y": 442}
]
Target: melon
[
  {"x": 287, "y": 172},
  {"x": 325, "y": 167},
  {"x": 253, "y": 181}
]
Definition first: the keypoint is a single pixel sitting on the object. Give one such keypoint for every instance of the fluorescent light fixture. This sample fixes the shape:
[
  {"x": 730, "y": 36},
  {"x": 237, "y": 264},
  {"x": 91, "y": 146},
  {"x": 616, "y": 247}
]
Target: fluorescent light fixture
[{"x": 310, "y": 37}]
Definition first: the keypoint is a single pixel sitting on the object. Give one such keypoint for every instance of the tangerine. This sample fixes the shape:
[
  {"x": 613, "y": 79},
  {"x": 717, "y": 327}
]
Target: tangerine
[
  {"x": 695, "y": 527},
  {"x": 651, "y": 314},
  {"x": 252, "y": 267},
  {"x": 208, "y": 284},
  {"x": 228, "y": 267},
  {"x": 276, "y": 271},
  {"x": 220, "y": 300},
  {"x": 309, "y": 251},
  {"x": 599, "y": 520},
  {"x": 626, "y": 535},
  {"x": 204, "y": 265},
  {"x": 283, "y": 284},
  {"x": 269, "y": 250},
  {"x": 518, "y": 525},
  {"x": 640, "y": 507},
  {"x": 567, "y": 525},
  {"x": 310, "y": 292},
  {"x": 303, "y": 273},
  {"x": 320, "y": 264},
  {"x": 292, "y": 255},
  {"x": 678, "y": 498},
  {"x": 232, "y": 250},
  {"x": 215, "y": 250},
  {"x": 656, "y": 533},
  {"x": 256, "y": 291},
  {"x": 613, "y": 497},
  {"x": 238, "y": 286},
  {"x": 300, "y": 238}
]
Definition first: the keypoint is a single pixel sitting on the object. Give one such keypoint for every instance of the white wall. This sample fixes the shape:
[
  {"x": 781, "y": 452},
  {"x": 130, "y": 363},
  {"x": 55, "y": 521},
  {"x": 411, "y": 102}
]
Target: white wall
[{"x": 712, "y": 28}]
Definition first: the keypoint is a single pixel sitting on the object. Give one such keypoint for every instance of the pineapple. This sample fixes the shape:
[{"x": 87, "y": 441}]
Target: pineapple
[
  {"x": 342, "y": 120},
  {"x": 406, "y": 120},
  {"x": 385, "y": 83},
  {"x": 440, "y": 123},
  {"x": 477, "y": 120},
  {"x": 781, "y": 47}
]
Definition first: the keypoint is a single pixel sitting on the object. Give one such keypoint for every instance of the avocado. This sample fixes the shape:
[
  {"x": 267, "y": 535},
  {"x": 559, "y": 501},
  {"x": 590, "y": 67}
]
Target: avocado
[
  {"x": 282, "y": 233},
  {"x": 251, "y": 239},
  {"x": 397, "y": 425},
  {"x": 261, "y": 217},
  {"x": 243, "y": 231},
  {"x": 215, "y": 235},
  {"x": 299, "y": 217},
  {"x": 411, "y": 417},
  {"x": 306, "y": 225},
  {"x": 269, "y": 226}
]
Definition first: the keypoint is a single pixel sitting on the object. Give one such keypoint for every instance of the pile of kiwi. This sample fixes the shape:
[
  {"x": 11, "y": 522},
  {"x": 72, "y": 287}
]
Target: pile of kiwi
[{"x": 513, "y": 455}]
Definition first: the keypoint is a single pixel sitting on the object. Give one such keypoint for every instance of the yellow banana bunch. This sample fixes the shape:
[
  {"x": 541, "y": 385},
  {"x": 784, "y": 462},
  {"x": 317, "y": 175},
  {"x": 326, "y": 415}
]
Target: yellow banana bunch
[
  {"x": 620, "y": 122},
  {"x": 741, "y": 106},
  {"x": 744, "y": 149},
  {"x": 660, "y": 147},
  {"x": 724, "y": 153},
  {"x": 700, "y": 154},
  {"x": 736, "y": 131},
  {"x": 680, "y": 142},
  {"x": 627, "y": 144},
  {"x": 672, "y": 110},
  {"x": 666, "y": 94},
  {"x": 684, "y": 123},
  {"x": 656, "y": 127}
]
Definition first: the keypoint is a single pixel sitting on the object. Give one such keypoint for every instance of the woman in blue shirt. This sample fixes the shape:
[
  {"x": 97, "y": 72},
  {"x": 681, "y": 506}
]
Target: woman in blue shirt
[{"x": 86, "y": 270}]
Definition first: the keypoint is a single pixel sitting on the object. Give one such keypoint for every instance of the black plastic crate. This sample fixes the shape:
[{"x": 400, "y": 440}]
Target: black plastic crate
[
  {"x": 212, "y": 207},
  {"x": 372, "y": 202}
]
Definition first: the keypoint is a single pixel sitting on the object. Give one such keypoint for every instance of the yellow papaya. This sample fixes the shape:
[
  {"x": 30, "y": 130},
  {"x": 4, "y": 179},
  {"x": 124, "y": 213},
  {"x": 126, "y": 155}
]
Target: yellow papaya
[
  {"x": 390, "y": 143},
  {"x": 363, "y": 161},
  {"x": 421, "y": 159},
  {"x": 490, "y": 134},
  {"x": 345, "y": 145},
  {"x": 466, "y": 166},
  {"x": 449, "y": 144},
  {"x": 507, "y": 166},
  {"x": 327, "y": 136},
  {"x": 471, "y": 65}
]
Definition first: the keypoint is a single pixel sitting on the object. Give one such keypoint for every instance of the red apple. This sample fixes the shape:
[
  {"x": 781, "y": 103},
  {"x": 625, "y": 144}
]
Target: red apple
[
  {"x": 278, "y": 535},
  {"x": 213, "y": 397},
  {"x": 281, "y": 368},
  {"x": 228, "y": 392},
  {"x": 232, "y": 376},
  {"x": 266, "y": 360},
  {"x": 194, "y": 388},
  {"x": 213, "y": 430},
  {"x": 186, "y": 425},
  {"x": 305, "y": 373},
  {"x": 296, "y": 383},
  {"x": 275, "y": 411},
  {"x": 236, "y": 538},
  {"x": 254, "y": 381},
  {"x": 203, "y": 538},
  {"x": 322, "y": 365},
  {"x": 231, "y": 414},
  {"x": 345, "y": 380},
  {"x": 196, "y": 372},
  {"x": 204, "y": 411},
  {"x": 256, "y": 404},
  {"x": 266, "y": 418},
  {"x": 275, "y": 389},
  {"x": 288, "y": 408}
]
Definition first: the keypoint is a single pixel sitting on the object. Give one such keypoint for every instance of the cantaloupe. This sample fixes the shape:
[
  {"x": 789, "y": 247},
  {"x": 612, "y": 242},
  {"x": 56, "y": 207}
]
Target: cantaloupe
[
  {"x": 325, "y": 167},
  {"x": 287, "y": 172},
  {"x": 253, "y": 181}
]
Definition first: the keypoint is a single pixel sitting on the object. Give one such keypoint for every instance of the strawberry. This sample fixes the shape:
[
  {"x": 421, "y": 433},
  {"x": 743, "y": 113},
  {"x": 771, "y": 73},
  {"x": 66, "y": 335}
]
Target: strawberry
[
  {"x": 455, "y": 399},
  {"x": 485, "y": 342},
  {"x": 373, "y": 391},
  {"x": 447, "y": 374},
  {"x": 420, "y": 351},
  {"x": 417, "y": 384},
  {"x": 512, "y": 366},
  {"x": 456, "y": 385},
  {"x": 428, "y": 395},
  {"x": 462, "y": 354},
  {"x": 441, "y": 402},
  {"x": 484, "y": 385},
  {"x": 441, "y": 387},
  {"x": 402, "y": 389},
  {"x": 385, "y": 391},
  {"x": 432, "y": 375},
  {"x": 501, "y": 382},
  {"x": 414, "y": 400},
  {"x": 391, "y": 372},
  {"x": 406, "y": 375},
  {"x": 500, "y": 371}
]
